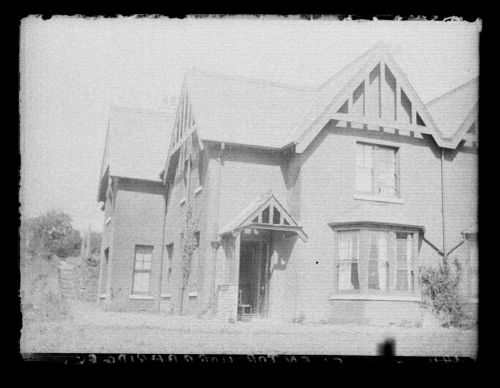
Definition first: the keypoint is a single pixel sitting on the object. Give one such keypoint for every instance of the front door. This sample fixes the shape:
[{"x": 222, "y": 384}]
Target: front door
[{"x": 252, "y": 278}]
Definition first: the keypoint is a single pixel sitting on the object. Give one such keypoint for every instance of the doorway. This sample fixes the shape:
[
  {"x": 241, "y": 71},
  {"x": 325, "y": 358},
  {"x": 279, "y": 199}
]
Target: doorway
[{"x": 253, "y": 279}]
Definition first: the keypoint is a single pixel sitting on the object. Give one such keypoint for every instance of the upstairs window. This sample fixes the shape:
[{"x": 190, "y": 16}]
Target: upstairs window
[
  {"x": 376, "y": 170},
  {"x": 348, "y": 259},
  {"x": 142, "y": 269}
]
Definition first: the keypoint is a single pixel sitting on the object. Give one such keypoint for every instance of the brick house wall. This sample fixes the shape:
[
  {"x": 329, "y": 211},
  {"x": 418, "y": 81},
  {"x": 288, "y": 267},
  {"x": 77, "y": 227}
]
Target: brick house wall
[{"x": 137, "y": 219}]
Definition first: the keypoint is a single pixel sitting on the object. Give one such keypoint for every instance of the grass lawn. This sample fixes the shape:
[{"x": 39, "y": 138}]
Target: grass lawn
[{"x": 86, "y": 329}]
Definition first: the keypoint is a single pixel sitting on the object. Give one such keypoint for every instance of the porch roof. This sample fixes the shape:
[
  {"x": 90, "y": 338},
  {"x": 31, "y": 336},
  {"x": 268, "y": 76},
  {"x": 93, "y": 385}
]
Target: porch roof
[{"x": 265, "y": 213}]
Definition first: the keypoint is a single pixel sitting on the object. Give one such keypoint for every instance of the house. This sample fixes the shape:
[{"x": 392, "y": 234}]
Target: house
[{"x": 294, "y": 203}]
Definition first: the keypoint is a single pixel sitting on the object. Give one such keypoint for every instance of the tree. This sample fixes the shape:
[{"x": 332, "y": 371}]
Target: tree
[{"x": 51, "y": 234}]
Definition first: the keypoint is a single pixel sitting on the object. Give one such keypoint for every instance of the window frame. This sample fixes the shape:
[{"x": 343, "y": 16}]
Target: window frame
[
  {"x": 338, "y": 261},
  {"x": 363, "y": 255},
  {"x": 373, "y": 173},
  {"x": 409, "y": 261},
  {"x": 386, "y": 289},
  {"x": 148, "y": 271}
]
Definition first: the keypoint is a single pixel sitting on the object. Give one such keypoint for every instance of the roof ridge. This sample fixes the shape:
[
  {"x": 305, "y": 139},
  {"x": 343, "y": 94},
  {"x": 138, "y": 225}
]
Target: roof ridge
[
  {"x": 258, "y": 81},
  {"x": 380, "y": 46},
  {"x": 452, "y": 91}
]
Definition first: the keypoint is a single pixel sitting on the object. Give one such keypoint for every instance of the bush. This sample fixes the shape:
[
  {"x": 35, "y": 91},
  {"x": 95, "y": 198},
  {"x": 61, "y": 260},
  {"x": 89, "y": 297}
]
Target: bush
[
  {"x": 50, "y": 235},
  {"x": 440, "y": 292},
  {"x": 41, "y": 298}
]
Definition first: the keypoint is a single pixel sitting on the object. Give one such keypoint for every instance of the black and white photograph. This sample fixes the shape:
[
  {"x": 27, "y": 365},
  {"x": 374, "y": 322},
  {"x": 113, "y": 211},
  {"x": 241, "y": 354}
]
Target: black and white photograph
[{"x": 239, "y": 185}]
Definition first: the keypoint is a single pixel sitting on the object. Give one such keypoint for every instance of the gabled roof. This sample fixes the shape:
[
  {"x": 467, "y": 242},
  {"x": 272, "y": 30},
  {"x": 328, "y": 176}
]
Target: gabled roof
[
  {"x": 272, "y": 115},
  {"x": 137, "y": 141},
  {"x": 326, "y": 92},
  {"x": 338, "y": 90},
  {"x": 244, "y": 111},
  {"x": 265, "y": 212},
  {"x": 451, "y": 110}
]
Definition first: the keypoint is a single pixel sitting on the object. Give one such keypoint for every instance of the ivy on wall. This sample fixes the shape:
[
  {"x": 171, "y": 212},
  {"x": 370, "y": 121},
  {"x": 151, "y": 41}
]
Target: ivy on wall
[{"x": 189, "y": 246}]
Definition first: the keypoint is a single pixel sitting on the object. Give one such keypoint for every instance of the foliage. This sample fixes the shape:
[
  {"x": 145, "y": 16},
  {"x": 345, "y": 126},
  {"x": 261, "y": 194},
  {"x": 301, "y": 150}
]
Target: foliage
[
  {"x": 189, "y": 246},
  {"x": 41, "y": 298},
  {"x": 440, "y": 291},
  {"x": 51, "y": 234},
  {"x": 68, "y": 245}
]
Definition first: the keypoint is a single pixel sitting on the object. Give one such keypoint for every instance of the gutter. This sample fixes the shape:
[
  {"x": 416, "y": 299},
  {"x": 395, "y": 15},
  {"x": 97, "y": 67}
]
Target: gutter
[
  {"x": 445, "y": 254},
  {"x": 215, "y": 239},
  {"x": 162, "y": 248}
]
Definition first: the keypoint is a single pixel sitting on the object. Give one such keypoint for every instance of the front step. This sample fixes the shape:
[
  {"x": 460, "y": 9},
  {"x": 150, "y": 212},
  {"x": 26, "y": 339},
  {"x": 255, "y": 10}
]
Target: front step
[{"x": 249, "y": 317}]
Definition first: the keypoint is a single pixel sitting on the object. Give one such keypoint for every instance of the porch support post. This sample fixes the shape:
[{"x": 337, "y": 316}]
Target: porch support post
[{"x": 235, "y": 276}]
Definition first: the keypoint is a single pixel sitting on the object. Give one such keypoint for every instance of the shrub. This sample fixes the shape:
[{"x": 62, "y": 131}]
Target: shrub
[
  {"x": 440, "y": 292},
  {"x": 50, "y": 235},
  {"x": 41, "y": 298}
]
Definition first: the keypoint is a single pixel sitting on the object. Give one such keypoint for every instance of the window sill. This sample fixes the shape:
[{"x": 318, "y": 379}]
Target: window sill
[
  {"x": 377, "y": 198},
  {"x": 103, "y": 296},
  {"x": 108, "y": 220},
  {"x": 166, "y": 296},
  {"x": 182, "y": 201},
  {"x": 141, "y": 297},
  {"x": 198, "y": 190},
  {"x": 396, "y": 298},
  {"x": 193, "y": 294}
]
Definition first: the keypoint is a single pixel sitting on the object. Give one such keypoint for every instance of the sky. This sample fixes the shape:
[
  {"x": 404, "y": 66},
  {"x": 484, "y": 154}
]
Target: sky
[{"x": 73, "y": 69}]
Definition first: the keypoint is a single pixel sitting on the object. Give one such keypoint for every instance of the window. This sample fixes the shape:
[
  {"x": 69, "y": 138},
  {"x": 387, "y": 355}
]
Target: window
[
  {"x": 377, "y": 260},
  {"x": 403, "y": 256},
  {"x": 348, "y": 247},
  {"x": 142, "y": 269},
  {"x": 376, "y": 171}
]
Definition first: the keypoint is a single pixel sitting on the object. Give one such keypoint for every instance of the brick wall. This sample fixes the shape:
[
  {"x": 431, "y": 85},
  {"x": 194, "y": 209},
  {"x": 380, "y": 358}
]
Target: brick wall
[{"x": 137, "y": 219}]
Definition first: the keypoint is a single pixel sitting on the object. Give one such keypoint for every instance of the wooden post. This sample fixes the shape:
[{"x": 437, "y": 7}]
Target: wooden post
[
  {"x": 82, "y": 245},
  {"x": 235, "y": 278},
  {"x": 87, "y": 253}
]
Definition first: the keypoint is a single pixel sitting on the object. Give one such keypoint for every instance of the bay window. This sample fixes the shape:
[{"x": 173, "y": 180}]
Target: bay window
[{"x": 375, "y": 260}]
